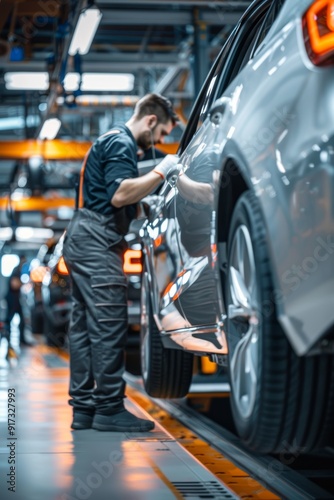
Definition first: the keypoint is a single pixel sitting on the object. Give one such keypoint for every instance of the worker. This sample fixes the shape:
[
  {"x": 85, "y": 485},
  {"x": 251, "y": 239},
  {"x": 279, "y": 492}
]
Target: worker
[
  {"x": 94, "y": 246},
  {"x": 14, "y": 306}
]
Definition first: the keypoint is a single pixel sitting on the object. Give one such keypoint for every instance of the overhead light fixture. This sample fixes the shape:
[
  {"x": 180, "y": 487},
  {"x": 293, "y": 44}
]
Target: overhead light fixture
[
  {"x": 33, "y": 234},
  {"x": 110, "y": 100},
  {"x": 71, "y": 82},
  {"x": 85, "y": 31},
  {"x": 6, "y": 233},
  {"x": 50, "y": 129},
  {"x": 8, "y": 263},
  {"x": 107, "y": 82},
  {"x": 99, "y": 82},
  {"x": 22, "y": 80}
]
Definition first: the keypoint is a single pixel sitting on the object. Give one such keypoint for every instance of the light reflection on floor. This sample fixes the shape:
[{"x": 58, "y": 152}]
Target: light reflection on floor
[{"x": 55, "y": 463}]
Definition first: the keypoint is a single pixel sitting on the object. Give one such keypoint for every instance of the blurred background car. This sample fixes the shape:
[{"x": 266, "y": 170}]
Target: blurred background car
[
  {"x": 37, "y": 270},
  {"x": 56, "y": 298},
  {"x": 56, "y": 290}
]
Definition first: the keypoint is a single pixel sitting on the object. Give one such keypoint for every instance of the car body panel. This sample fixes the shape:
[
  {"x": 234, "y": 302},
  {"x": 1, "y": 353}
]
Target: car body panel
[
  {"x": 290, "y": 162},
  {"x": 275, "y": 120}
]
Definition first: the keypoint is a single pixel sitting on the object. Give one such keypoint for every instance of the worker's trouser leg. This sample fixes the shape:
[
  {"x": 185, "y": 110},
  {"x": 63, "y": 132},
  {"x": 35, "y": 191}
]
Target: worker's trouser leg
[{"x": 98, "y": 329}]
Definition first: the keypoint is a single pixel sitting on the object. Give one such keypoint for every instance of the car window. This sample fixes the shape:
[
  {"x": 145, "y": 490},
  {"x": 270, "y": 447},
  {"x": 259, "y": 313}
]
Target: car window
[
  {"x": 233, "y": 57},
  {"x": 202, "y": 103},
  {"x": 267, "y": 24},
  {"x": 242, "y": 49}
]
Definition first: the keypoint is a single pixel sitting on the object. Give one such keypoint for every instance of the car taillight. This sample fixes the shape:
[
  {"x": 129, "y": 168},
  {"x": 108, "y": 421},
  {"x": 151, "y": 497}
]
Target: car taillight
[
  {"x": 61, "y": 266},
  {"x": 37, "y": 274},
  {"x": 132, "y": 261},
  {"x": 318, "y": 23}
]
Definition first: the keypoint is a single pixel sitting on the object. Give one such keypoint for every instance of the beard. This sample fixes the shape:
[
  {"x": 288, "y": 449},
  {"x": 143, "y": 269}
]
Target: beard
[{"x": 145, "y": 141}]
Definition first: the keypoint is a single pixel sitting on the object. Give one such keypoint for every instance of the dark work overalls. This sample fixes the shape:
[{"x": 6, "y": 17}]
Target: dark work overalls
[{"x": 93, "y": 250}]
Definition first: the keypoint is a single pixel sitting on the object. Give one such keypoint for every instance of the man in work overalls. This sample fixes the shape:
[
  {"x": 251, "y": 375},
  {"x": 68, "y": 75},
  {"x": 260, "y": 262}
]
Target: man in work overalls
[{"x": 93, "y": 250}]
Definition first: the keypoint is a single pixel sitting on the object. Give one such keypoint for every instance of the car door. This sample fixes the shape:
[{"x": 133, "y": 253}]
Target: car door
[
  {"x": 164, "y": 255},
  {"x": 195, "y": 211}
]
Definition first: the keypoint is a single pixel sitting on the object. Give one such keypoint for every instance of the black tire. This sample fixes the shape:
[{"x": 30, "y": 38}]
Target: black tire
[
  {"x": 166, "y": 373},
  {"x": 290, "y": 406}
]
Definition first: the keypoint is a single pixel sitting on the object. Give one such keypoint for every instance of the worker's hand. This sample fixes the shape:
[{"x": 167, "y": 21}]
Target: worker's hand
[{"x": 166, "y": 165}]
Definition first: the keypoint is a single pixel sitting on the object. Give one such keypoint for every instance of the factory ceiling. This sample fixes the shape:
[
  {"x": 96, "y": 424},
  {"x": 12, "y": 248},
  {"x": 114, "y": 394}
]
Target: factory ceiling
[{"x": 167, "y": 46}]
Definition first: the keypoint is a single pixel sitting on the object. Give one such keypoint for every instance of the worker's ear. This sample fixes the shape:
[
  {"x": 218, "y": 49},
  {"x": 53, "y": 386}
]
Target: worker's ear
[{"x": 152, "y": 121}]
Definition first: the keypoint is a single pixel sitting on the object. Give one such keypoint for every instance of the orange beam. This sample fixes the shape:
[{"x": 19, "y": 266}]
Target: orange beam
[
  {"x": 56, "y": 149},
  {"x": 49, "y": 150},
  {"x": 36, "y": 204}
]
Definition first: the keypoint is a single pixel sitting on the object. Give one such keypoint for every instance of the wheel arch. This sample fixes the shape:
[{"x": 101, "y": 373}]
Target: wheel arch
[{"x": 232, "y": 185}]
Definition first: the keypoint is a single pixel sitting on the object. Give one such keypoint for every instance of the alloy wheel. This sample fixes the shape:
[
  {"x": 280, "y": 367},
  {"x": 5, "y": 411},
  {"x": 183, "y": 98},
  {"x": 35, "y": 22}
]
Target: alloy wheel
[{"x": 244, "y": 321}]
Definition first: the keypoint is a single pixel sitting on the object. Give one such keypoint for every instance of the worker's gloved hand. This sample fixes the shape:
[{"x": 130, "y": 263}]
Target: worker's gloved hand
[{"x": 166, "y": 165}]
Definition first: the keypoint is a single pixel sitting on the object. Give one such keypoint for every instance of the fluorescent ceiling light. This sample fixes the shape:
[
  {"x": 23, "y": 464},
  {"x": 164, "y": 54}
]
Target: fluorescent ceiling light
[
  {"x": 33, "y": 234},
  {"x": 17, "y": 122},
  {"x": 85, "y": 31},
  {"x": 21, "y": 80},
  {"x": 107, "y": 82},
  {"x": 50, "y": 129},
  {"x": 8, "y": 262},
  {"x": 103, "y": 82},
  {"x": 115, "y": 100},
  {"x": 71, "y": 82},
  {"x": 6, "y": 233},
  {"x": 11, "y": 122}
]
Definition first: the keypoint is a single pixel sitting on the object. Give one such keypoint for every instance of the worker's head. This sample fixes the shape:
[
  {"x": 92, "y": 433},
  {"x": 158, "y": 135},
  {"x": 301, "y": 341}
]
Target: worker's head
[{"x": 155, "y": 118}]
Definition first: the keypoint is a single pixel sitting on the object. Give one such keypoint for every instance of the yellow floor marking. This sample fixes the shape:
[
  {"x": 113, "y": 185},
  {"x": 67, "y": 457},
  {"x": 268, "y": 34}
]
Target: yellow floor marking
[{"x": 236, "y": 479}]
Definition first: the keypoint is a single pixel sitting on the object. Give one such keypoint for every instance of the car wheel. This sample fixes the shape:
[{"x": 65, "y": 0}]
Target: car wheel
[
  {"x": 280, "y": 402},
  {"x": 166, "y": 373}
]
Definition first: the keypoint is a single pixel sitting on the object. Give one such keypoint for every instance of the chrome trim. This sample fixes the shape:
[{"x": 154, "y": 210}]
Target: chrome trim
[{"x": 193, "y": 329}]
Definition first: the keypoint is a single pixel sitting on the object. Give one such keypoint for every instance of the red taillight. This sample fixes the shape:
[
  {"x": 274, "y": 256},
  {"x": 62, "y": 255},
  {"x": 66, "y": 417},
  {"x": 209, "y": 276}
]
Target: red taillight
[
  {"x": 318, "y": 23},
  {"x": 61, "y": 266},
  {"x": 132, "y": 261}
]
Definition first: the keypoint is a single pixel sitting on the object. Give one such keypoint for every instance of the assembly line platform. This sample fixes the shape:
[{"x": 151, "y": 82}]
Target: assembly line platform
[{"x": 41, "y": 458}]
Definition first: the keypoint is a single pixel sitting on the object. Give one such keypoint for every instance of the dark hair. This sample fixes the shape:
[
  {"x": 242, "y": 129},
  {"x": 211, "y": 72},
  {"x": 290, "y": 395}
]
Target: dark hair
[{"x": 156, "y": 104}]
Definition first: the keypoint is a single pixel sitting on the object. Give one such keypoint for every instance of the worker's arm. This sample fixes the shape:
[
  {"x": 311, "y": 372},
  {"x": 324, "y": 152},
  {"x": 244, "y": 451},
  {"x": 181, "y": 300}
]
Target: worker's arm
[{"x": 133, "y": 190}]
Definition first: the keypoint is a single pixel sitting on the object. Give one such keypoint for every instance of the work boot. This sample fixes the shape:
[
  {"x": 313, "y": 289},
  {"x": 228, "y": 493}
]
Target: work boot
[
  {"x": 121, "y": 421},
  {"x": 82, "y": 420}
]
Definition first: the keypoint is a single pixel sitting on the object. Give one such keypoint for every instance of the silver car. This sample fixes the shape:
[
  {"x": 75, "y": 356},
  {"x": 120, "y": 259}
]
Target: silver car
[{"x": 239, "y": 242}]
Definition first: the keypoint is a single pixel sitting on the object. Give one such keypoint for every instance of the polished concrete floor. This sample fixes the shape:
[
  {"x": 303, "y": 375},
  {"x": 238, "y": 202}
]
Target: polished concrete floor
[{"x": 42, "y": 459}]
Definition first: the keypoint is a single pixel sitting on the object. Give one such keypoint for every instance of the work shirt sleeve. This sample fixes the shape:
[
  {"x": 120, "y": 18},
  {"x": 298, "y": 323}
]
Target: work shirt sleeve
[{"x": 119, "y": 163}]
